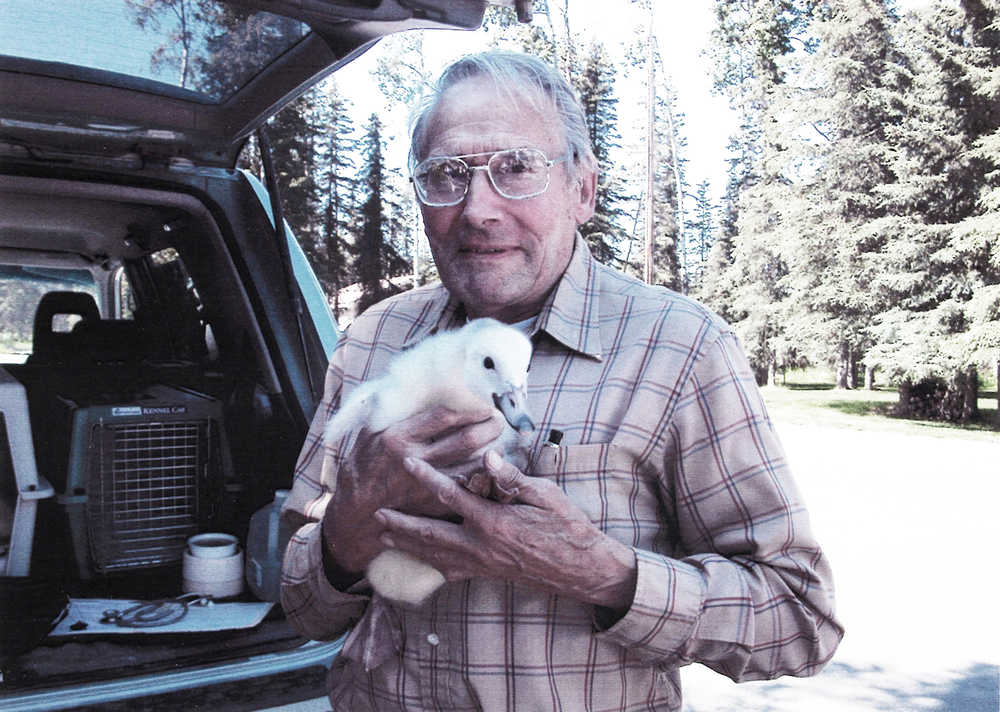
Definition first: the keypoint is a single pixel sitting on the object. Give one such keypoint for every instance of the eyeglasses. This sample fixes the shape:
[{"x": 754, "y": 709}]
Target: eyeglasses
[{"x": 515, "y": 173}]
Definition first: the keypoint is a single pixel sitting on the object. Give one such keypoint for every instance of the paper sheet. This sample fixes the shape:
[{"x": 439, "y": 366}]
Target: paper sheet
[{"x": 195, "y": 619}]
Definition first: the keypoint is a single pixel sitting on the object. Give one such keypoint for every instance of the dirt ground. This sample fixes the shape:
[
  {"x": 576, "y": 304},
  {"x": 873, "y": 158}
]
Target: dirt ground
[{"x": 910, "y": 523}]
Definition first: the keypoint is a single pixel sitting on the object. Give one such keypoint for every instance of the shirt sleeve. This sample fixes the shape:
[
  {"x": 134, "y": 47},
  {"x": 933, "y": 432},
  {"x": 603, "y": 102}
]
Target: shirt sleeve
[
  {"x": 311, "y": 603},
  {"x": 750, "y": 593}
]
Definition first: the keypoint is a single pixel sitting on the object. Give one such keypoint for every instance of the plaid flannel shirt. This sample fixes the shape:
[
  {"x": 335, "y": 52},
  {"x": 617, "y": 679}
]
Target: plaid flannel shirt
[{"x": 668, "y": 448}]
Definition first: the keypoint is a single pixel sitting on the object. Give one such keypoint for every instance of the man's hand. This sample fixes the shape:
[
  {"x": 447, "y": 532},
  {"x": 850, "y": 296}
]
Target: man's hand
[
  {"x": 533, "y": 535},
  {"x": 373, "y": 477}
]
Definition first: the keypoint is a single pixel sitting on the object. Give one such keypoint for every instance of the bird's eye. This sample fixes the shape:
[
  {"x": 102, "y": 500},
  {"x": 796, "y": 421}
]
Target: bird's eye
[{"x": 487, "y": 362}]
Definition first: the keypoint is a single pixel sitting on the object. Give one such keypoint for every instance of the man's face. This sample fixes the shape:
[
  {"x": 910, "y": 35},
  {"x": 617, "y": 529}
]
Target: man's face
[{"x": 502, "y": 257}]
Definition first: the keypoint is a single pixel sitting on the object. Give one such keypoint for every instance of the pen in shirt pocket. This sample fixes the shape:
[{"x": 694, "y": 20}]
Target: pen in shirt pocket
[{"x": 547, "y": 458}]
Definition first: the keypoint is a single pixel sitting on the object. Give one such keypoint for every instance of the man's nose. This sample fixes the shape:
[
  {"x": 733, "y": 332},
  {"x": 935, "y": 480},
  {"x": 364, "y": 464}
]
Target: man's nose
[{"x": 482, "y": 201}]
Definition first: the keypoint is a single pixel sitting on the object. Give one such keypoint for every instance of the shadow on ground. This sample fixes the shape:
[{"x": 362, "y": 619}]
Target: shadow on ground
[
  {"x": 808, "y": 386},
  {"x": 848, "y": 688}
]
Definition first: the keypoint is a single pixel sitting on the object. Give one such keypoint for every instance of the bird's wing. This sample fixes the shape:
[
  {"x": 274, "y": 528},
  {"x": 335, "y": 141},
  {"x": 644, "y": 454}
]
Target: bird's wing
[{"x": 354, "y": 413}]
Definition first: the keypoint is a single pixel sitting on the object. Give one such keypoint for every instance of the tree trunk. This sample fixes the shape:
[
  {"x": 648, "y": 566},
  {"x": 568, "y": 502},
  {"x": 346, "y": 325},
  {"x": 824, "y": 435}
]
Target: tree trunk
[
  {"x": 869, "y": 378},
  {"x": 997, "y": 385},
  {"x": 844, "y": 367},
  {"x": 970, "y": 394},
  {"x": 772, "y": 372},
  {"x": 841, "y": 374}
]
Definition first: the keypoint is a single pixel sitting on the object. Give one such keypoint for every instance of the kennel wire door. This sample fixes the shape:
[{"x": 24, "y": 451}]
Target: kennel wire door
[
  {"x": 147, "y": 474},
  {"x": 143, "y": 499}
]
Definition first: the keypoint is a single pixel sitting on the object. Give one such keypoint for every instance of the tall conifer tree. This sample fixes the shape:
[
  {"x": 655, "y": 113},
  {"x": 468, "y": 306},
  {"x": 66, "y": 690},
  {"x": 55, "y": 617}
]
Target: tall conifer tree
[
  {"x": 380, "y": 256},
  {"x": 669, "y": 184},
  {"x": 750, "y": 40},
  {"x": 603, "y": 231},
  {"x": 338, "y": 230},
  {"x": 942, "y": 268},
  {"x": 845, "y": 101},
  {"x": 702, "y": 236}
]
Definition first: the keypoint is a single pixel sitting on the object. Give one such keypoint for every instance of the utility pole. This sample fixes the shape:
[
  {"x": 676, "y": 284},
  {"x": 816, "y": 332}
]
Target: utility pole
[{"x": 650, "y": 149}]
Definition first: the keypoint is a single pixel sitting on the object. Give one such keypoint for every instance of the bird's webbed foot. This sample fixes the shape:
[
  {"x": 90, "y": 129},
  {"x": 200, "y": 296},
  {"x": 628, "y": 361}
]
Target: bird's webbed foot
[{"x": 482, "y": 484}]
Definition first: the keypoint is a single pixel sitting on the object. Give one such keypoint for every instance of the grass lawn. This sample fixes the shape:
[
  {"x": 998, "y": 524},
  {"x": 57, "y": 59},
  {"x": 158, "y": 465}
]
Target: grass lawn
[{"x": 808, "y": 397}]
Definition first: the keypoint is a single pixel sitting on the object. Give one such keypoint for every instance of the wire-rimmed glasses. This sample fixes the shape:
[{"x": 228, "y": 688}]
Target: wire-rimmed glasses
[{"x": 515, "y": 173}]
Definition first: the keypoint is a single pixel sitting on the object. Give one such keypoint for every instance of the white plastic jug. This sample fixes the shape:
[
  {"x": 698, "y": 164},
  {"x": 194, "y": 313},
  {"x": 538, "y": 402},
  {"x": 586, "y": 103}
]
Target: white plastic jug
[{"x": 266, "y": 542}]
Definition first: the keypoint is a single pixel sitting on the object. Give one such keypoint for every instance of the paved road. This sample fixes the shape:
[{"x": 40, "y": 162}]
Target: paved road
[
  {"x": 910, "y": 523},
  {"x": 911, "y": 526}
]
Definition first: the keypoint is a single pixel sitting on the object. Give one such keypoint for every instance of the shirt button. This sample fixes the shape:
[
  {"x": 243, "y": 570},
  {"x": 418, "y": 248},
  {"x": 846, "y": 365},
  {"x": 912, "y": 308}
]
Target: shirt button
[{"x": 433, "y": 639}]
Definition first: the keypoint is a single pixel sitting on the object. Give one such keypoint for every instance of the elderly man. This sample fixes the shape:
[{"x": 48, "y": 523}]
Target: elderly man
[{"x": 663, "y": 529}]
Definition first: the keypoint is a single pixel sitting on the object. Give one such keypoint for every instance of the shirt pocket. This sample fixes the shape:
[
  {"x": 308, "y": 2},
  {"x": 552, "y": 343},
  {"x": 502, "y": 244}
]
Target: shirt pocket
[{"x": 608, "y": 484}]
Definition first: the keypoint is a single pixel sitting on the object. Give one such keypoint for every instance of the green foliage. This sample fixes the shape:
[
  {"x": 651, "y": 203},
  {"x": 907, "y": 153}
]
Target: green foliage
[
  {"x": 401, "y": 72},
  {"x": 293, "y": 134},
  {"x": 337, "y": 234},
  {"x": 942, "y": 271},
  {"x": 861, "y": 219},
  {"x": 380, "y": 254},
  {"x": 934, "y": 398},
  {"x": 860, "y": 225},
  {"x": 702, "y": 230},
  {"x": 596, "y": 88},
  {"x": 669, "y": 185},
  {"x": 826, "y": 234},
  {"x": 750, "y": 40}
]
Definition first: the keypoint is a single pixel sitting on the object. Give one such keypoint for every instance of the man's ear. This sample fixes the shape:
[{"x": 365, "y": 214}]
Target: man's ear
[{"x": 585, "y": 192}]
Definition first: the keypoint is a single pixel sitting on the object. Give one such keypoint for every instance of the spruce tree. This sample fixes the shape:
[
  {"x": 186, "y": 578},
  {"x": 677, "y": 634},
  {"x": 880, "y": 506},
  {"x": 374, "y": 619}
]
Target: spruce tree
[
  {"x": 380, "y": 256},
  {"x": 402, "y": 76},
  {"x": 292, "y": 133},
  {"x": 942, "y": 269},
  {"x": 702, "y": 230},
  {"x": 846, "y": 99},
  {"x": 603, "y": 231},
  {"x": 668, "y": 191},
  {"x": 338, "y": 183},
  {"x": 750, "y": 40}
]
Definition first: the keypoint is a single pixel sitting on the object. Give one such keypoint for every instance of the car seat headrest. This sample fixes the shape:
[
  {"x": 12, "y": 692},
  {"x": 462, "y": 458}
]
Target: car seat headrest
[{"x": 49, "y": 344}]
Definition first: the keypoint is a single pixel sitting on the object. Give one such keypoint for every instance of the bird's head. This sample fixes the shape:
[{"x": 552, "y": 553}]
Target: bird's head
[{"x": 496, "y": 369}]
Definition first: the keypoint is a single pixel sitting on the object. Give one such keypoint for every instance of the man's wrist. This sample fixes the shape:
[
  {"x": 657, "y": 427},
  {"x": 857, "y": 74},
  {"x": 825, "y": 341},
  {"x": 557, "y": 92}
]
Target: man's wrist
[
  {"x": 618, "y": 589},
  {"x": 339, "y": 577}
]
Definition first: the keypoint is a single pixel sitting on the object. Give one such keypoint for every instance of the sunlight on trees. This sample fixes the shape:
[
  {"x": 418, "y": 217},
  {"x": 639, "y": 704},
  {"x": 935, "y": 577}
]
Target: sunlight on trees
[{"x": 860, "y": 224}]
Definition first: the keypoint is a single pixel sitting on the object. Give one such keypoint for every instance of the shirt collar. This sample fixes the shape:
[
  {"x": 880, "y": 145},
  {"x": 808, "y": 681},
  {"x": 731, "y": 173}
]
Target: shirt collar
[{"x": 571, "y": 314}]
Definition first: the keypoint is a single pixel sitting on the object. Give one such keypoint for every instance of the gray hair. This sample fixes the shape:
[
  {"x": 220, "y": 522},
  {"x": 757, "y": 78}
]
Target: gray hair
[{"x": 521, "y": 78}]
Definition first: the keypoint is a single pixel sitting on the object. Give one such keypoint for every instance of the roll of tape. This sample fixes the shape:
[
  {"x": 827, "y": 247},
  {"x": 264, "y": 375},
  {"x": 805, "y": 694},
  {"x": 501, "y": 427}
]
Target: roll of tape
[
  {"x": 212, "y": 545},
  {"x": 213, "y": 575}
]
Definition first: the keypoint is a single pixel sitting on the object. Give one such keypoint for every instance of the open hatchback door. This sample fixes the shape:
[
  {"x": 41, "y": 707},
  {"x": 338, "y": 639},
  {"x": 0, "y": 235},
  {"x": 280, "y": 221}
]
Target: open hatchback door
[{"x": 181, "y": 79}]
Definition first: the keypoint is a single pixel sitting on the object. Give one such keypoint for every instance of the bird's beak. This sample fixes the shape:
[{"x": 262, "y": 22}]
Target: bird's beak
[{"x": 512, "y": 404}]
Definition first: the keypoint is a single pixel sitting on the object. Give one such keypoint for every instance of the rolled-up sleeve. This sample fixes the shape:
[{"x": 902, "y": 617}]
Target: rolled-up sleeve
[
  {"x": 312, "y": 605},
  {"x": 748, "y": 591}
]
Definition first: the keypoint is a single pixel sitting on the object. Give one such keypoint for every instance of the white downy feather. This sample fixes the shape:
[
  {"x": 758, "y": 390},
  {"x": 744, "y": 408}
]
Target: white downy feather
[{"x": 483, "y": 361}]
